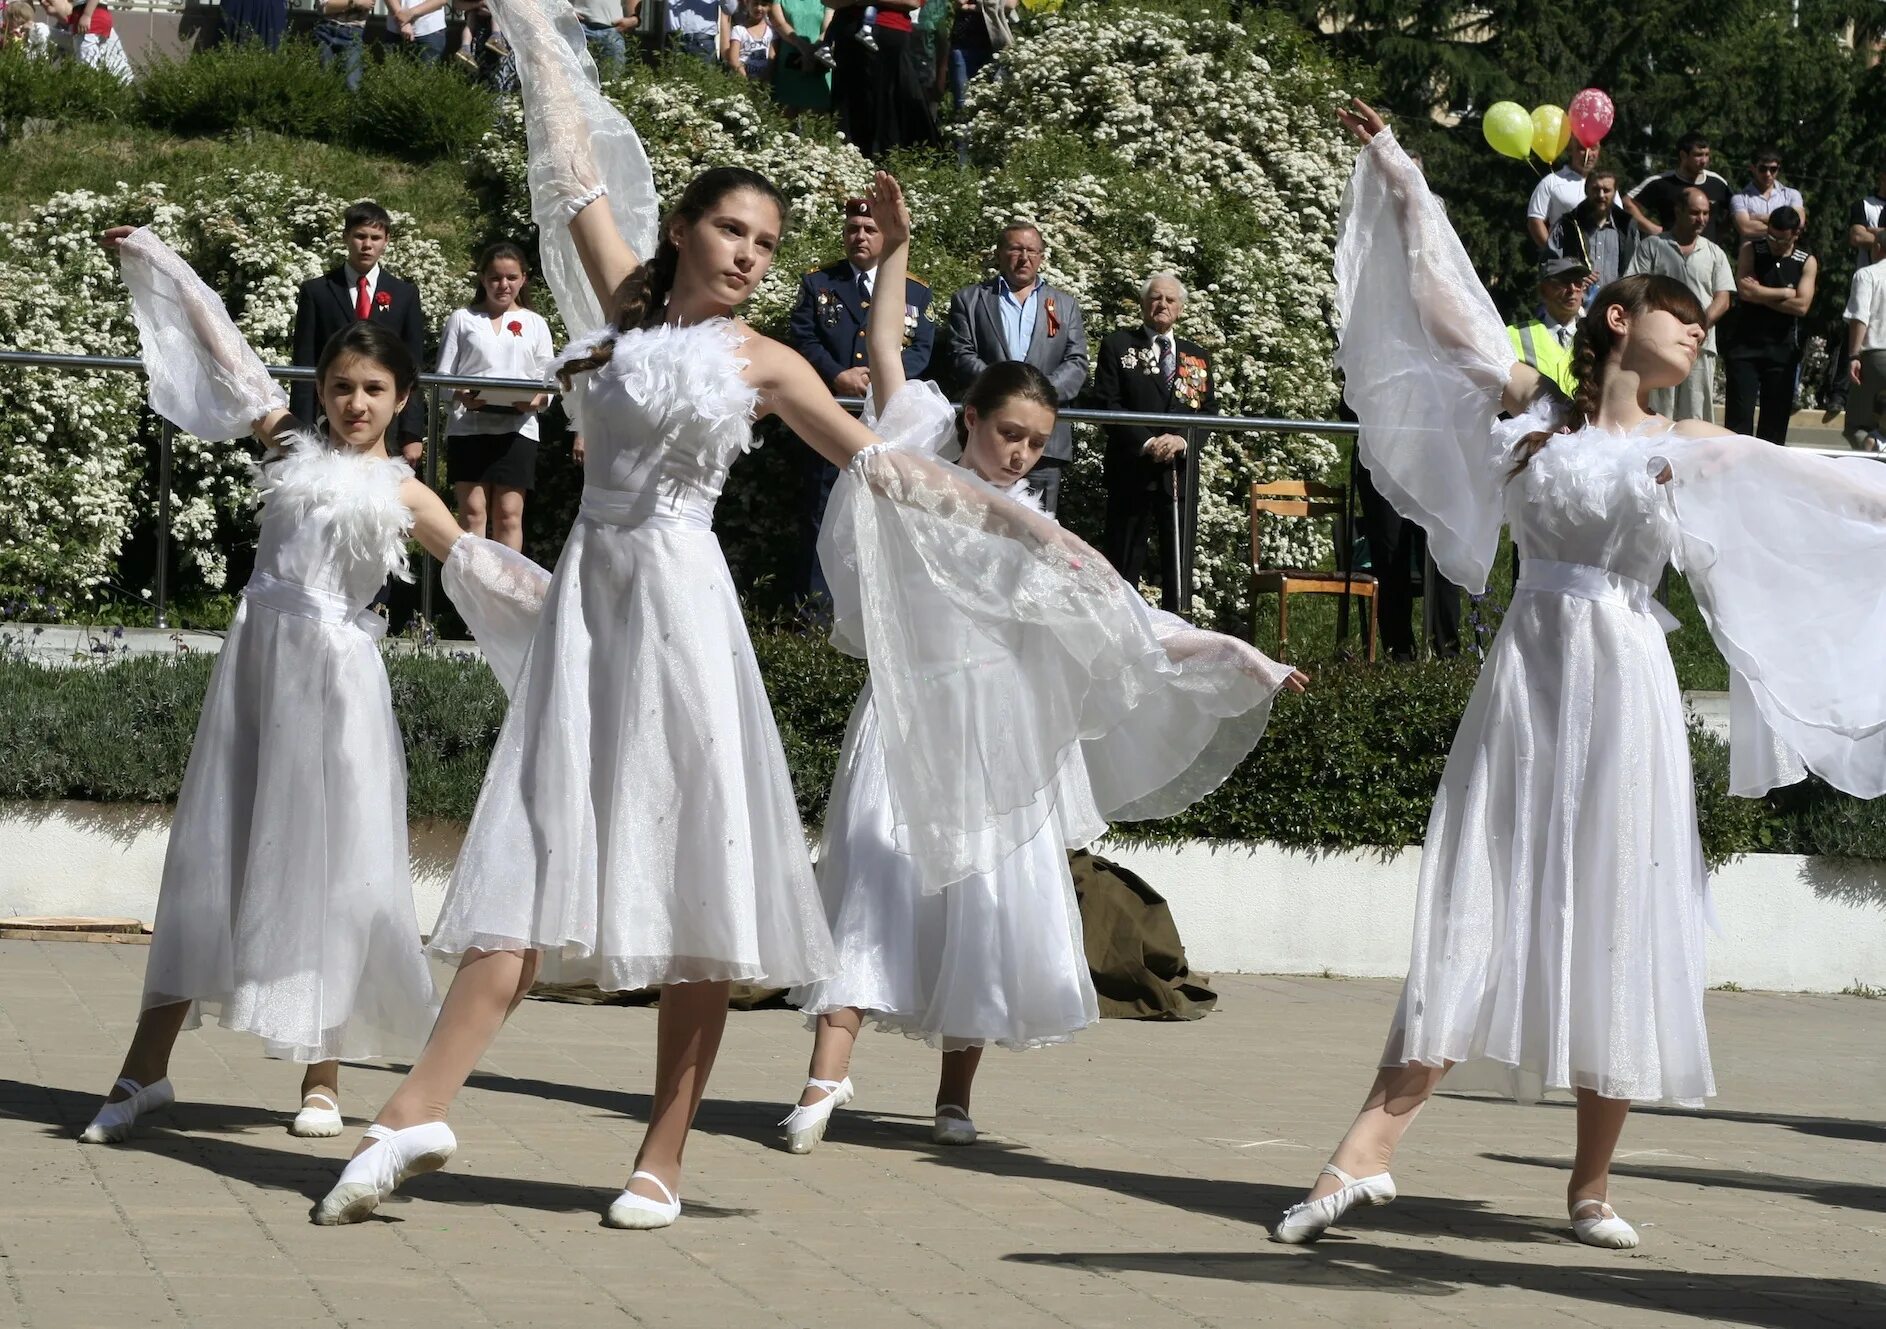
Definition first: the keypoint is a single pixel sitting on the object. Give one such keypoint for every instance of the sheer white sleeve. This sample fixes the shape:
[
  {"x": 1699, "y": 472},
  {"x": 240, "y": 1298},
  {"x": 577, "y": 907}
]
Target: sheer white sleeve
[
  {"x": 994, "y": 652},
  {"x": 203, "y": 377},
  {"x": 1785, "y": 552},
  {"x": 1425, "y": 359},
  {"x": 581, "y": 148},
  {"x": 500, "y": 595}
]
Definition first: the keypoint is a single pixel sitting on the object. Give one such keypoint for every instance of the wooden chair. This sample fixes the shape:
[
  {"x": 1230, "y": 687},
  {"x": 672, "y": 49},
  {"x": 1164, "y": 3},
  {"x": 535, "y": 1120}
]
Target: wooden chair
[{"x": 1301, "y": 498}]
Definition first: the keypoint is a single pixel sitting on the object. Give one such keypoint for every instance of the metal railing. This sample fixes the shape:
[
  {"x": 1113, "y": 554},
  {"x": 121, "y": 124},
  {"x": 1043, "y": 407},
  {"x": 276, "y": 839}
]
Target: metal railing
[{"x": 1184, "y": 529}]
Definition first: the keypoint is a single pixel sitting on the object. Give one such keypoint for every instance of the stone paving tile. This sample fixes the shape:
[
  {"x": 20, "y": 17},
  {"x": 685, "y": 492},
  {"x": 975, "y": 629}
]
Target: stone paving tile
[{"x": 1124, "y": 1181}]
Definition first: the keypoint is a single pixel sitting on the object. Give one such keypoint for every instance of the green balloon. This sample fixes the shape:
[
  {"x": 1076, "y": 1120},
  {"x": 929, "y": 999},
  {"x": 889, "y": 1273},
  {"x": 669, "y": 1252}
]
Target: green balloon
[{"x": 1509, "y": 129}]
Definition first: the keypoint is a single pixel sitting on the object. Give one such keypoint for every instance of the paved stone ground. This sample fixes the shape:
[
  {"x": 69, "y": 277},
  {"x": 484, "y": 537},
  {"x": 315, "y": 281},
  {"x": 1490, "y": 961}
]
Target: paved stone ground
[{"x": 1126, "y": 1180}]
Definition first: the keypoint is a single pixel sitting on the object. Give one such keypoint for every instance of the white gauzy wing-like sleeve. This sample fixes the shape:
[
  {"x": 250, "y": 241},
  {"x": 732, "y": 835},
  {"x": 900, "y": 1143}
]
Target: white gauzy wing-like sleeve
[
  {"x": 1785, "y": 552},
  {"x": 500, "y": 595},
  {"x": 580, "y": 148},
  {"x": 994, "y": 654},
  {"x": 1425, "y": 359},
  {"x": 203, "y": 377}
]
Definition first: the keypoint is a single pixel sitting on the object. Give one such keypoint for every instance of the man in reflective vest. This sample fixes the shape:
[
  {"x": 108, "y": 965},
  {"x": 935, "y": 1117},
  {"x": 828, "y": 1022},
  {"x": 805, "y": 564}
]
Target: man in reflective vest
[{"x": 1544, "y": 340}]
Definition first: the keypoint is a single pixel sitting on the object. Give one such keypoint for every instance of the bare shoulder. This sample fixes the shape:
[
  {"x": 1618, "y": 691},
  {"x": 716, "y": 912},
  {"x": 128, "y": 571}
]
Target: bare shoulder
[{"x": 1700, "y": 429}]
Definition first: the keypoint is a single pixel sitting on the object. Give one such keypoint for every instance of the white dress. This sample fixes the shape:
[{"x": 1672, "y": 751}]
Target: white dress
[
  {"x": 1559, "y": 925},
  {"x": 637, "y": 823},
  {"x": 286, "y": 908},
  {"x": 997, "y": 956}
]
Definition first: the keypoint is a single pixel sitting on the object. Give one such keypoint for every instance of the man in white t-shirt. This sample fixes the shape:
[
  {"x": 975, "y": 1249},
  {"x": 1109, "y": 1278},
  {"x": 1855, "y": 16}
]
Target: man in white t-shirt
[
  {"x": 422, "y": 23},
  {"x": 1866, "y": 343},
  {"x": 1558, "y": 193}
]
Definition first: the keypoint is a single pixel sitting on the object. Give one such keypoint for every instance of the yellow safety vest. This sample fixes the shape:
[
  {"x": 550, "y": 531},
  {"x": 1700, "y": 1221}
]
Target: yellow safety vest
[{"x": 1534, "y": 343}]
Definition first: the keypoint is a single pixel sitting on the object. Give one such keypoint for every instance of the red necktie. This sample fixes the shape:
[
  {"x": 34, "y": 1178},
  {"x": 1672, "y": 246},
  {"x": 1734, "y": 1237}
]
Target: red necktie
[{"x": 363, "y": 304}]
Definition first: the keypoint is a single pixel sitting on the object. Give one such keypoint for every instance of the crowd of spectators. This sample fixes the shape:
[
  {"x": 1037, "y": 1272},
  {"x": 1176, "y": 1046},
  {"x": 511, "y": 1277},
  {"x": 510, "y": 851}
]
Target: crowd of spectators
[
  {"x": 82, "y": 31},
  {"x": 1740, "y": 253}
]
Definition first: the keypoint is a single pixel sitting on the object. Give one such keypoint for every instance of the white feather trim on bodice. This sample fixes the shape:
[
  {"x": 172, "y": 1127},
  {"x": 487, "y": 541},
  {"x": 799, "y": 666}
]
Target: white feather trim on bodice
[
  {"x": 355, "y": 495},
  {"x": 684, "y": 386}
]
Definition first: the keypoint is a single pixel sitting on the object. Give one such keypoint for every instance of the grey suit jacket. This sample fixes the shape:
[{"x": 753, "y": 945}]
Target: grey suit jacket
[{"x": 976, "y": 342}]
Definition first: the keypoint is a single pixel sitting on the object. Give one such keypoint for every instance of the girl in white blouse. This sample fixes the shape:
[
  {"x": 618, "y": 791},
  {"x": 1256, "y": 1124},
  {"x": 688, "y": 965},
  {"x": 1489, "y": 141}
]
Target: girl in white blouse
[{"x": 491, "y": 442}]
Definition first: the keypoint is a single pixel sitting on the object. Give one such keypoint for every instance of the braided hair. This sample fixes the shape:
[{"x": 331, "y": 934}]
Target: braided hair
[
  {"x": 642, "y": 299},
  {"x": 1594, "y": 342}
]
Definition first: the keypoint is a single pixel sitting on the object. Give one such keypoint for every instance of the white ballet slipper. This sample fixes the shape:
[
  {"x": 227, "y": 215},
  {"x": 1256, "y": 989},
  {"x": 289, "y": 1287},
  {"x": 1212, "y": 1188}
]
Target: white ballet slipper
[
  {"x": 1604, "y": 1228},
  {"x": 113, "y": 1123},
  {"x": 380, "y": 1169},
  {"x": 952, "y": 1125},
  {"x": 805, "y": 1124},
  {"x": 1310, "y": 1219},
  {"x": 638, "y": 1212},
  {"x": 317, "y": 1122}
]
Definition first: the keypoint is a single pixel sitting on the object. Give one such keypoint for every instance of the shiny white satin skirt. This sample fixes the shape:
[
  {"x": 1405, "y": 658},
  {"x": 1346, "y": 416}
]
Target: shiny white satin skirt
[
  {"x": 1559, "y": 926},
  {"x": 996, "y": 958}
]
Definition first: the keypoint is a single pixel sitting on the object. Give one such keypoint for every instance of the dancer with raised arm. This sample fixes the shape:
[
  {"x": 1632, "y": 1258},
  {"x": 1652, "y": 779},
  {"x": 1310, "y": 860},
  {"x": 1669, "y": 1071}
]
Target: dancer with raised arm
[
  {"x": 286, "y": 909},
  {"x": 1558, "y": 942},
  {"x": 997, "y": 957}
]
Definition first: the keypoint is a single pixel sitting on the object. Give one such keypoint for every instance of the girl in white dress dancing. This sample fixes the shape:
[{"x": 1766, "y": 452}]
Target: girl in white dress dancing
[
  {"x": 286, "y": 908},
  {"x": 637, "y": 827},
  {"x": 996, "y": 957},
  {"x": 1559, "y": 924}
]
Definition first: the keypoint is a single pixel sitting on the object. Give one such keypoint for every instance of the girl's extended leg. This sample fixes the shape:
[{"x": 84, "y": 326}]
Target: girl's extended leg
[
  {"x": 484, "y": 992},
  {"x": 828, "y": 1079},
  {"x": 147, "y": 1068},
  {"x": 1357, "y": 1173},
  {"x": 686, "y": 1041}
]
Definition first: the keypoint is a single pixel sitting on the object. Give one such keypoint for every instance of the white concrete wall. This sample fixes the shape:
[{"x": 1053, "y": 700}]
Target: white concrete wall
[{"x": 1788, "y": 923}]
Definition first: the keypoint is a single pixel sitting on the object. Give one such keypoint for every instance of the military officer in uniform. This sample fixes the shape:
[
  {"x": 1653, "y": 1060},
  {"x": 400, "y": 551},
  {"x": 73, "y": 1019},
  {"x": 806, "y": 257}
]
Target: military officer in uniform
[{"x": 827, "y": 328}]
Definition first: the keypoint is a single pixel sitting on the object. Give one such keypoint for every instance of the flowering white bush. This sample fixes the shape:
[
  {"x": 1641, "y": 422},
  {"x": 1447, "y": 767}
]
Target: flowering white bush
[{"x": 73, "y": 468}]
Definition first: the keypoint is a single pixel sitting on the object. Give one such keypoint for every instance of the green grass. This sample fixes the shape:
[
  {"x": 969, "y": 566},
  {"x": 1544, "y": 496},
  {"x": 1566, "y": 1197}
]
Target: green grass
[{"x": 98, "y": 156}]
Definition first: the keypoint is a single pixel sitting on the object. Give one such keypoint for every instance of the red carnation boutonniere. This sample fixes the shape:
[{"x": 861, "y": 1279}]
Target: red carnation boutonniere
[
  {"x": 383, "y": 299},
  {"x": 515, "y": 328},
  {"x": 1054, "y": 319}
]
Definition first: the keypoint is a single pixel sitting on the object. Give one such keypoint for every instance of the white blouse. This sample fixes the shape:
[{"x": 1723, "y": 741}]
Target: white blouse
[{"x": 519, "y": 346}]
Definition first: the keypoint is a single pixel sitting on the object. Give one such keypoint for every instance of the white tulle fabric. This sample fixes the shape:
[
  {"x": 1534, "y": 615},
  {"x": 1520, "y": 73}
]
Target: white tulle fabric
[
  {"x": 994, "y": 956},
  {"x": 1424, "y": 356},
  {"x": 1784, "y": 551},
  {"x": 581, "y": 148},
  {"x": 203, "y": 377},
  {"x": 997, "y": 958},
  {"x": 637, "y": 823},
  {"x": 500, "y": 595},
  {"x": 935, "y": 574},
  {"x": 1559, "y": 925},
  {"x": 286, "y": 908}
]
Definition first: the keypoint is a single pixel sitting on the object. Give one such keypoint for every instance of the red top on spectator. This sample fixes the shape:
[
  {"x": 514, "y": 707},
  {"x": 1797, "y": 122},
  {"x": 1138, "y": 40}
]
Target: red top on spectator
[
  {"x": 897, "y": 20},
  {"x": 101, "y": 19}
]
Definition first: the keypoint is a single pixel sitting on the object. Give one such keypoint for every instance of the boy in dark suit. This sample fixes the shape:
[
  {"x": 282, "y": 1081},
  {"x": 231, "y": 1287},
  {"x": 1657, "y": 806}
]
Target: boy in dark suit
[
  {"x": 1149, "y": 369},
  {"x": 359, "y": 289},
  {"x": 827, "y": 328}
]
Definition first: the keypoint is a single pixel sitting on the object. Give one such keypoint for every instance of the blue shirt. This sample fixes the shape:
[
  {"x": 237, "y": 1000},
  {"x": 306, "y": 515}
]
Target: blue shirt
[{"x": 1018, "y": 320}]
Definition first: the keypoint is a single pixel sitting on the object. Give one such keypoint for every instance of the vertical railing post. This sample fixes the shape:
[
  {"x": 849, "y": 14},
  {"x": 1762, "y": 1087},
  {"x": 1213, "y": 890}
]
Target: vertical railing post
[
  {"x": 1188, "y": 520},
  {"x": 166, "y": 433},
  {"x": 1430, "y": 613},
  {"x": 435, "y": 440}
]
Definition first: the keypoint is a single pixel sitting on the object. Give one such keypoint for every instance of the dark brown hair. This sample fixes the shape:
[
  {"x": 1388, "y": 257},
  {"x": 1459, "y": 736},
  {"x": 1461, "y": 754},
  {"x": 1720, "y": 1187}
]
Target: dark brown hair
[
  {"x": 370, "y": 341},
  {"x": 502, "y": 249},
  {"x": 642, "y": 299},
  {"x": 1000, "y": 384},
  {"x": 1594, "y": 342}
]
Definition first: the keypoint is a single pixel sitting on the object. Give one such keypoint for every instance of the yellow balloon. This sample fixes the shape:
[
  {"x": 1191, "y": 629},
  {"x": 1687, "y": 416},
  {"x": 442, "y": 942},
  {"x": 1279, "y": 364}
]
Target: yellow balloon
[
  {"x": 1042, "y": 6},
  {"x": 1509, "y": 130},
  {"x": 1551, "y": 131}
]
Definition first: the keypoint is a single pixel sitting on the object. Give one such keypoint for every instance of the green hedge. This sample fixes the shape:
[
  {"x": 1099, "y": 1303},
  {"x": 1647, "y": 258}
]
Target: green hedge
[
  {"x": 404, "y": 108},
  {"x": 1353, "y": 763}
]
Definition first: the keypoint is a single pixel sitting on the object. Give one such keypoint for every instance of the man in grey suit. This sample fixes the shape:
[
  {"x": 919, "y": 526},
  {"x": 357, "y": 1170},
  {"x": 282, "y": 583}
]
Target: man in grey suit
[{"x": 1016, "y": 316}]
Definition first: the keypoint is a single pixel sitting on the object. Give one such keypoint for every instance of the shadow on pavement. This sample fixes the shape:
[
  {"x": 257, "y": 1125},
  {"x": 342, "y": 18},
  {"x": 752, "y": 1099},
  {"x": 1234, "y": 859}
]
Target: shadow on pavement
[
  {"x": 1768, "y": 1301},
  {"x": 1841, "y": 1194}
]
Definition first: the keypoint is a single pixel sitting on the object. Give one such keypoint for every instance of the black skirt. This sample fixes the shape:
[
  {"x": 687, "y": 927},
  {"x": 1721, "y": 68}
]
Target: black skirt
[{"x": 507, "y": 460}]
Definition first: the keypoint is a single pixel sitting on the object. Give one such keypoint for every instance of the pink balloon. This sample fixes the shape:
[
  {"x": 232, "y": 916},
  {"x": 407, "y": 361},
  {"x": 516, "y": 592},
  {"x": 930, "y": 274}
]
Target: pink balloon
[{"x": 1590, "y": 114}]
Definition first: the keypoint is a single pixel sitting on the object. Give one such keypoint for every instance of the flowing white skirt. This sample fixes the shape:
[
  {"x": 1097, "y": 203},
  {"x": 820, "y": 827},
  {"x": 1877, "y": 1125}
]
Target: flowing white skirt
[
  {"x": 1559, "y": 927},
  {"x": 996, "y": 958},
  {"x": 637, "y": 823},
  {"x": 286, "y": 909}
]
